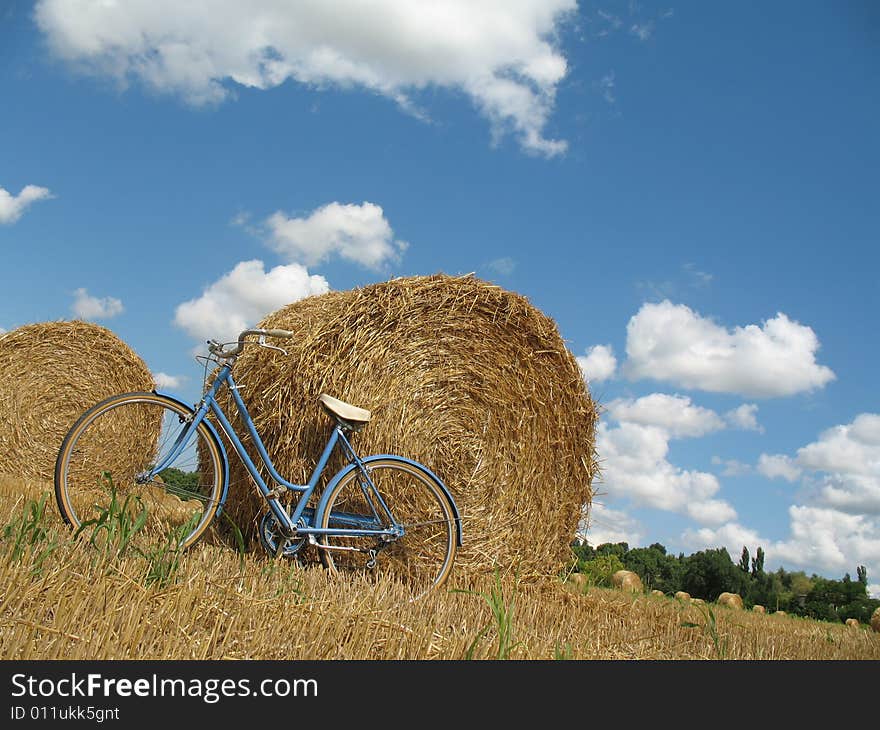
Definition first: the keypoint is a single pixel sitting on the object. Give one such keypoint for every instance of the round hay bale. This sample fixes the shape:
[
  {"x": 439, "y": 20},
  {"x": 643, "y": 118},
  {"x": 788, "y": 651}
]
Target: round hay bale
[
  {"x": 626, "y": 580},
  {"x": 697, "y": 601},
  {"x": 780, "y": 613},
  {"x": 50, "y": 372},
  {"x": 461, "y": 375},
  {"x": 853, "y": 622},
  {"x": 656, "y": 592},
  {"x": 683, "y": 596},
  {"x": 758, "y": 608},
  {"x": 578, "y": 580},
  {"x": 731, "y": 600},
  {"x": 875, "y": 619}
]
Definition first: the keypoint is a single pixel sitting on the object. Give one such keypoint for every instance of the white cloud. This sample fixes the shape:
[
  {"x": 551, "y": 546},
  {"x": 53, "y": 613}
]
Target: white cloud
[
  {"x": 13, "y": 206},
  {"x": 86, "y": 306},
  {"x": 744, "y": 417},
  {"x": 598, "y": 364},
  {"x": 843, "y": 466},
  {"x": 358, "y": 233},
  {"x": 502, "y": 55},
  {"x": 675, "y": 414},
  {"x": 242, "y": 297},
  {"x": 732, "y": 467},
  {"x": 634, "y": 464},
  {"x": 609, "y": 525},
  {"x": 821, "y": 540},
  {"x": 778, "y": 466},
  {"x": 166, "y": 381},
  {"x": 503, "y": 266},
  {"x": 671, "y": 342}
]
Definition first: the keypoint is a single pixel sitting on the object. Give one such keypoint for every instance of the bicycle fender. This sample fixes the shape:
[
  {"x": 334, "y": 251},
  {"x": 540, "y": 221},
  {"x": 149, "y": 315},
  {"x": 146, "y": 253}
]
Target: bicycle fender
[
  {"x": 322, "y": 504},
  {"x": 216, "y": 436}
]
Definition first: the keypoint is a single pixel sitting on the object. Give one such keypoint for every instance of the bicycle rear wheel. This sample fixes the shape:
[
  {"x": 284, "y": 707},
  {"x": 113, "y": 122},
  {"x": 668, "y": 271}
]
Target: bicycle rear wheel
[
  {"x": 105, "y": 481},
  {"x": 422, "y": 558}
]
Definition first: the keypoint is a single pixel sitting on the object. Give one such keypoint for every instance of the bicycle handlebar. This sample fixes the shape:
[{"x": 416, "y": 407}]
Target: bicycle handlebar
[{"x": 218, "y": 349}]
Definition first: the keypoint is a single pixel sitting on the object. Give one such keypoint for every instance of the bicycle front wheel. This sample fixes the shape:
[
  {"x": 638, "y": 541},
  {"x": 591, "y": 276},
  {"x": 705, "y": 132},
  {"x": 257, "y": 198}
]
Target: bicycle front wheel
[
  {"x": 419, "y": 560},
  {"x": 106, "y": 481}
]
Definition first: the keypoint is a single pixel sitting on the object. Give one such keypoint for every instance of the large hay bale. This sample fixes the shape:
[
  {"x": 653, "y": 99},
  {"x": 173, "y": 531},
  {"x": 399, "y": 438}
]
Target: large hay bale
[
  {"x": 875, "y": 619},
  {"x": 50, "y": 372},
  {"x": 626, "y": 580},
  {"x": 466, "y": 377},
  {"x": 683, "y": 596},
  {"x": 758, "y": 608},
  {"x": 852, "y": 623},
  {"x": 657, "y": 592},
  {"x": 730, "y": 600}
]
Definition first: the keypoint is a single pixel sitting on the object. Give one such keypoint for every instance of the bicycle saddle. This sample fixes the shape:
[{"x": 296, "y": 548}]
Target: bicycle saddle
[{"x": 345, "y": 412}]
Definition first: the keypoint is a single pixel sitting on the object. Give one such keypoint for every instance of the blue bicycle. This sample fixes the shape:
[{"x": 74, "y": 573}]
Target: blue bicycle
[{"x": 161, "y": 465}]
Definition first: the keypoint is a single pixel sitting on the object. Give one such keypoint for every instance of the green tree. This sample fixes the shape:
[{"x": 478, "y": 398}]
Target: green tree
[
  {"x": 708, "y": 573},
  {"x": 655, "y": 568},
  {"x": 758, "y": 562},
  {"x": 600, "y": 569},
  {"x": 744, "y": 560}
]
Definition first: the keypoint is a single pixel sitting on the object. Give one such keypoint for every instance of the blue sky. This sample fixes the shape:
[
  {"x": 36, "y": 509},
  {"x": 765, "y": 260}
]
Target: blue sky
[{"x": 689, "y": 189}]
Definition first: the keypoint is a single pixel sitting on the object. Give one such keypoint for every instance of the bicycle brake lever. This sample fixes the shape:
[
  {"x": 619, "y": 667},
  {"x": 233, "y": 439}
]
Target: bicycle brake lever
[{"x": 262, "y": 343}]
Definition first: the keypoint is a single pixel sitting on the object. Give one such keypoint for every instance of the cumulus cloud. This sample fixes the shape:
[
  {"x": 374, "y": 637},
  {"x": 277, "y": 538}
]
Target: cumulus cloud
[
  {"x": 744, "y": 417},
  {"x": 242, "y": 297},
  {"x": 671, "y": 342},
  {"x": 86, "y": 306},
  {"x": 732, "y": 467},
  {"x": 166, "y": 381},
  {"x": 841, "y": 468},
  {"x": 13, "y": 206},
  {"x": 778, "y": 466},
  {"x": 598, "y": 364},
  {"x": 503, "y": 56},
  {"x": 675, "y": 414},
  {"x": 358, "y": 233},
  {"x": 821, "y": 539},
  {"x": 634, "y": 464},
  {"x": 608, "y": 525}
]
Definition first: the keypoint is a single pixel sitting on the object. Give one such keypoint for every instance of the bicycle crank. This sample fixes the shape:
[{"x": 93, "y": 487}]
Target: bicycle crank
[{"x": 274, "y": 542}]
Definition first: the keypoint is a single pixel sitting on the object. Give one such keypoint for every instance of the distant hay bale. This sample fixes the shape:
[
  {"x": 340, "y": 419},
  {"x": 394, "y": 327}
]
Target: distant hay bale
[
  {"x": 780, "y": 613},
  {"x": 875, "y": 619},
  {"x": 626, "y": 580},
  {"x": 758, "y": 608},
  {"x": 731, "y": 600},
  {"x": 853, "y": 622},
  {"x": 463, "y": 376},
  {"x": 697, "y": 601},
  {"x": 656, "y": 592},
  {"x": 683, "y": 596},
  {"x": 579, "y": 580},
  {"x": 50, "y": 372}
]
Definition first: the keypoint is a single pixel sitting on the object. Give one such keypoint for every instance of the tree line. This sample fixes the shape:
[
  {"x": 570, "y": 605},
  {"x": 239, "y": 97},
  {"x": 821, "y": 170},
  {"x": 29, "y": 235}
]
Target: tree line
[{"x": 708, "y": 573}]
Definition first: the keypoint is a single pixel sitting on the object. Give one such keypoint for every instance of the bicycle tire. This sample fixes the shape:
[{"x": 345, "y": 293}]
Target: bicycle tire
[
  {"x": 97, "y": 488},
  {"x": 422, "y": 559}
]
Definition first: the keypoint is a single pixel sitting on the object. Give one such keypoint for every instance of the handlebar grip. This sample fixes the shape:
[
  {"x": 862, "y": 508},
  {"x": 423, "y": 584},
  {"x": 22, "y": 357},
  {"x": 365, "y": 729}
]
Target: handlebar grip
[{"x": 279, "y": 333}]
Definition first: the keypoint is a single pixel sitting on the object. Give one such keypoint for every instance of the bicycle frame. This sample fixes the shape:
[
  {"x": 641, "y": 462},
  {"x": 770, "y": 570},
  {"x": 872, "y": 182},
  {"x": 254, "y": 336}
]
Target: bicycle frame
[{"x": 293, "y": 524}]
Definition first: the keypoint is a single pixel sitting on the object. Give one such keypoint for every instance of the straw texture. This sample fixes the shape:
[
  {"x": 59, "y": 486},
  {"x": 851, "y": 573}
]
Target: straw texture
[
  {"x": 466, "y": 377},
  {"x": 50, "y": 373}
]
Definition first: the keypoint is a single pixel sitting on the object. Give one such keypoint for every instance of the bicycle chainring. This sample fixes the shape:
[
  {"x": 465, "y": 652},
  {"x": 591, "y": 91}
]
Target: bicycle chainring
[{"x": 271, "y": 537}]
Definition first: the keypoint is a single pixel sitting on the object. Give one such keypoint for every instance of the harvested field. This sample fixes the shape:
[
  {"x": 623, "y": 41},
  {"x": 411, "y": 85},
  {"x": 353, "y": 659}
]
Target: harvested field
[
  {"x": 461, "y": 375},
  {"x": 69, "y": 602}
]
